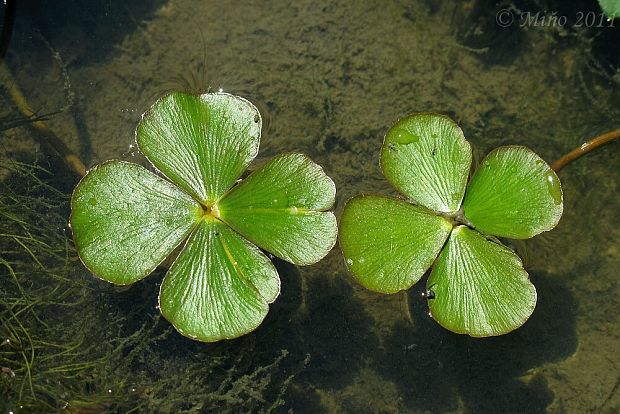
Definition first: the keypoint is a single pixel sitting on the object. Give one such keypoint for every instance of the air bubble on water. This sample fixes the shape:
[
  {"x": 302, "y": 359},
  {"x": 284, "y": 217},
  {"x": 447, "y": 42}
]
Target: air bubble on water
[{"x": 132, "y": 150}]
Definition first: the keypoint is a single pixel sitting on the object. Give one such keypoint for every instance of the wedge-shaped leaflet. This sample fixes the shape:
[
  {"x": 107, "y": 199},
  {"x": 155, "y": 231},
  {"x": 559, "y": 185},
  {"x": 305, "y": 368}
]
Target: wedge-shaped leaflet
[
  {"x": 387, "y": 243},
  {"x": 220, "y": 286},
  {"x": 126, "y": 220},
  {"x": 202, "y": 143},
  {"x": 281, "y": 207},
  {"x": 426, "y": 157},
  {"x": 480, "y": 287},
  {"x": 513, "y": 194}
]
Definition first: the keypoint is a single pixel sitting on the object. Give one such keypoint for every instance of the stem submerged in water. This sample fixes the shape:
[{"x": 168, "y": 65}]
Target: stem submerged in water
[
  {"x": 585, "y": 148},
  {"x": 46, "y": 135}
]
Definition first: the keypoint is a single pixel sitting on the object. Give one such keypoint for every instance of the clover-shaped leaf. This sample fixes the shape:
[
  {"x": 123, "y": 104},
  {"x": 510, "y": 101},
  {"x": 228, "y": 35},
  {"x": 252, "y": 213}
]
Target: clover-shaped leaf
[
  {"x": 513, "y": 194},
  {"x": 201, "y": 143},
  {"x": 127, "y": 220},
  {"x": 219, "y": 286},
  {"x": 426, "y": 157},
  {"x": 388, "y": 244},
  {"x": 279, "y": 208},
  {"x": 477, "y": 286}
]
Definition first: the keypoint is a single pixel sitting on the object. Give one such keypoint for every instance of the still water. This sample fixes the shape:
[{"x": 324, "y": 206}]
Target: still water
[{"x": 329, "y": 78}]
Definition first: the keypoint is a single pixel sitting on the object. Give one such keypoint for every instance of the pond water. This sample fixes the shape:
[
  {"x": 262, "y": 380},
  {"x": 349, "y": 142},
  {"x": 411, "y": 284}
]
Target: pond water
[{"x": 329, "y": 79}]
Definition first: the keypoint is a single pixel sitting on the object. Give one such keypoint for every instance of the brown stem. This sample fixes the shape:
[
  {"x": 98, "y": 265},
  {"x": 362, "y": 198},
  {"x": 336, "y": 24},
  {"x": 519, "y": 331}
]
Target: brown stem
[
  {"x": 585, "y": 148},
  {"x": 47, "y": 136}
]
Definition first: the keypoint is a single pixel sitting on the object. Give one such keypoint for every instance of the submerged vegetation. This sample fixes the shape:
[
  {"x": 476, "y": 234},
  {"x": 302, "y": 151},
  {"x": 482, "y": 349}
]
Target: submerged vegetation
[{"x": 63, "y": 347}]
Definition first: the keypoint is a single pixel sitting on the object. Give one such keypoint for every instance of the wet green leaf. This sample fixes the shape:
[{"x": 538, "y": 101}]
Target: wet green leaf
[
  {"x": 281, "y": 207},
  {"x": 480, "y": 287},
  {"x": 426, "y": 157},
  {"x": 514, "y": 194},
  {"x": 202, "y": 143},
  {"x": 220, "y": 286},
  {"x": 126, "y": 220},
  {"x": 477, "y": 286},
  {"x": 387, "y": 243}
]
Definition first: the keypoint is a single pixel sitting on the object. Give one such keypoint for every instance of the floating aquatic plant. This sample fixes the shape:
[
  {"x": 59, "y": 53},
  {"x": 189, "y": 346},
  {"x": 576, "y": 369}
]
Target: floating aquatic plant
[
  {"x": 126, "y": 220},
  {"x": 477, "y": 285}
]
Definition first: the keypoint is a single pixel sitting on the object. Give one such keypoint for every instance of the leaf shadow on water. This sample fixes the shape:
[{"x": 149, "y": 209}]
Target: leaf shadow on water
[
  {"x": 439, "y": 371},
  {"x": 315, "y": 317},
  {"x": 253, "y": 373},
  {"x": 336, "y": 334},
  {"x": 326, "y": 335}
]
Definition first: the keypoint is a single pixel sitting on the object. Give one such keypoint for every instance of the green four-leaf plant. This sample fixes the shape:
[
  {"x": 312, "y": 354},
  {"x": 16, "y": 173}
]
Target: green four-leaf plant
[
  {"x": 477, "y": 285},
  {"x": 126, "y": 220}
]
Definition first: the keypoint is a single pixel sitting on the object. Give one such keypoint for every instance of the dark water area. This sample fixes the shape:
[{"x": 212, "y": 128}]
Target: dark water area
[{"x": 329, "y": 79}]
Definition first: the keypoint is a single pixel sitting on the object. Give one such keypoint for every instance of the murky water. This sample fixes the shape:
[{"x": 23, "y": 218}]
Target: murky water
[{"x": 329, "y": 79}]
